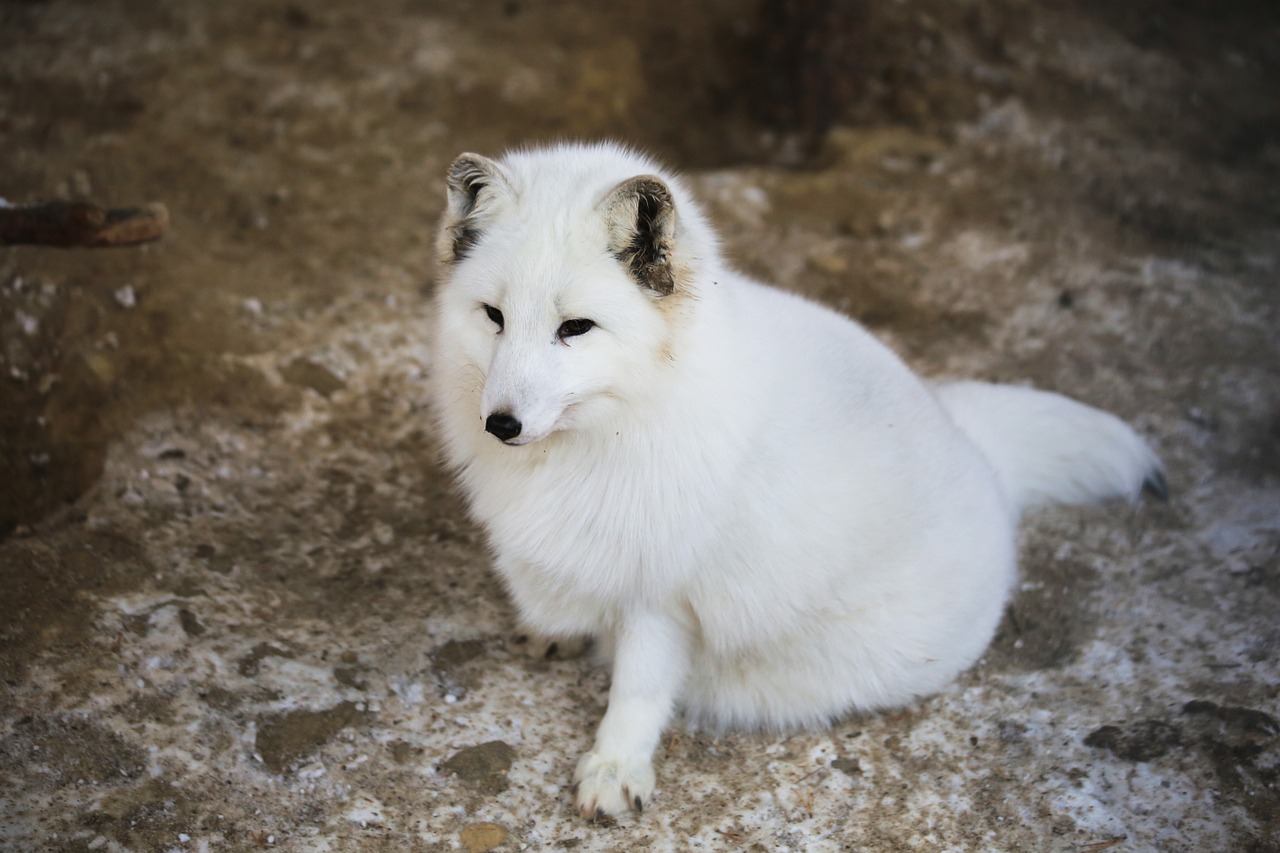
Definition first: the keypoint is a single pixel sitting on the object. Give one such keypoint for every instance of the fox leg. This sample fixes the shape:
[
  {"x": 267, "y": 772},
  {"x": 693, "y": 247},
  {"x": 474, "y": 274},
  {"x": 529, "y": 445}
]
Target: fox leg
[{"x": 650, "y": 660}]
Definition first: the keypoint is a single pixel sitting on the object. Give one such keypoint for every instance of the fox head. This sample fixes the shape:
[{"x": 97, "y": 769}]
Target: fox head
[{"x": 564, "y": 273}]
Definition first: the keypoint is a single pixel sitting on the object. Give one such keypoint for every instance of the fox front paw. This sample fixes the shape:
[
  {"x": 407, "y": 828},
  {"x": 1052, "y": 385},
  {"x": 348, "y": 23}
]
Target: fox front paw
[{"x": 612, "y": 785}]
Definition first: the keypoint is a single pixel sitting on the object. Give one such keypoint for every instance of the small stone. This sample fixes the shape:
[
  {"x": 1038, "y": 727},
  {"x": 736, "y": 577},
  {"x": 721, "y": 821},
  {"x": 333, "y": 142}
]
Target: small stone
[
  {"x": 283, "y": 739},
  {"x": 125, "y": 296},
  {"x": 30, "y": 325},
  {"x": 401, "y": 751},
  {"x": 829, "y": 263},
  {"x": 313, "y": 375},
  {"x": 847, "y": 766},
  {"x": 483, "y": 837},
  {"x": 190, "y": 624},
  {"x": 484, "y": 766},
  {"x": 1140, "y": 741}
]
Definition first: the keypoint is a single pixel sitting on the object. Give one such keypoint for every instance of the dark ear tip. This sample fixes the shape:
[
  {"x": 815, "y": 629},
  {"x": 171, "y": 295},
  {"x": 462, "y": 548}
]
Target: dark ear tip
[
  {"x": 644, "y": 188},
  {"x": 652, "y": 185},
  {"x": 467, "y": 170},
  {"x": 466, "y": 159}
]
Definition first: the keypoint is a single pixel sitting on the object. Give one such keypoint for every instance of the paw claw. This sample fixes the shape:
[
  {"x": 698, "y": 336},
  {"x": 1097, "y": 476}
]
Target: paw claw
[{"x": 609, "y": 786}]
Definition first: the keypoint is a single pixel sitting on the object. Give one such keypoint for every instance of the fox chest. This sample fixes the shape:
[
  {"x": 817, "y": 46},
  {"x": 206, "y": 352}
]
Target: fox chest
[{"x": 609, "y": 536}]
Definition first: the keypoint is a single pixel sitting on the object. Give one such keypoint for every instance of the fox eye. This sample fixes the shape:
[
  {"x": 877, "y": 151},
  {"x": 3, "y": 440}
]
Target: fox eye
[
  {"x": 495, "y": 315},
  {"x": 573, "y": 328}
]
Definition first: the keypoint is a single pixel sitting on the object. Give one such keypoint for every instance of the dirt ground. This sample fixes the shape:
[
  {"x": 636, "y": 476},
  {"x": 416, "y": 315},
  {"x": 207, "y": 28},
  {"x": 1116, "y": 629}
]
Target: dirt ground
[{"x": 240, "y": 606}]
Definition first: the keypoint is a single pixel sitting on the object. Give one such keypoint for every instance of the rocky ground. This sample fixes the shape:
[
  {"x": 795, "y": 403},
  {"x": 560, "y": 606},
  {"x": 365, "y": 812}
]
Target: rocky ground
[{"x": 241, "y": 608}]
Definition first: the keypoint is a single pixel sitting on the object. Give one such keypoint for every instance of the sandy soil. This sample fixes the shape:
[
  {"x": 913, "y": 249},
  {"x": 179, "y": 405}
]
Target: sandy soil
[{"x": 242, "y": 608}]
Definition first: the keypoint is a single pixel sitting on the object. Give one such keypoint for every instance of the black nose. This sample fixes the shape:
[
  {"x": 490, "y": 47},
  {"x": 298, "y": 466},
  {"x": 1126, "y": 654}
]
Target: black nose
[{"x": 502, "y": 425}]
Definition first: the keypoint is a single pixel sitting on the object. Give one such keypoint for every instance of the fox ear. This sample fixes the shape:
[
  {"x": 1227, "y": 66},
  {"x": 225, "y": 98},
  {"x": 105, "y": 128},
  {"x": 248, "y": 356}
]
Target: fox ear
[
  {"x": 467, "y": 180},
  {"x": 641, "y": 217}
]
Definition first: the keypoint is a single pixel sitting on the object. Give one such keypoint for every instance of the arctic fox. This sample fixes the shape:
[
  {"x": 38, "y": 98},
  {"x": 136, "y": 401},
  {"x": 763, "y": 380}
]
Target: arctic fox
[{"x": 755, "y": 508}]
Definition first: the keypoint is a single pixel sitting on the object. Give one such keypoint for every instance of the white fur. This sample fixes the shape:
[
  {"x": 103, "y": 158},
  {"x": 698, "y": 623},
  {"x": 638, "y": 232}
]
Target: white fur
[{"x": 755, "y": 507}]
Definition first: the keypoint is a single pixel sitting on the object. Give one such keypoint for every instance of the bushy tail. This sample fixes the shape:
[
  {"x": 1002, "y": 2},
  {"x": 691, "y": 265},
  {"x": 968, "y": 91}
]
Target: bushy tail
[{"x": 1046, "y": 448}]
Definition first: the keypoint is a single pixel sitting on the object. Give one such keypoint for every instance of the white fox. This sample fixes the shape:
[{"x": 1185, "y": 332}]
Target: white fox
[{"x": 758, "y": 512}]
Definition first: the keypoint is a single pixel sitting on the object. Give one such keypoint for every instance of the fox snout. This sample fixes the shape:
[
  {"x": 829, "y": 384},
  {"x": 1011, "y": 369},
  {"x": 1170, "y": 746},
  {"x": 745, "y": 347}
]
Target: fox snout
[
  {"x": 503, "y": 425},
  {"x": 524, "y": 393}
]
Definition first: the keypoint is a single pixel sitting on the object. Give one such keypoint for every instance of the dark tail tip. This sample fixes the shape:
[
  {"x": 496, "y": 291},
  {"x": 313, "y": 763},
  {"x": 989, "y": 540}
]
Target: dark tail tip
[{"x": 1156, "y": 485}]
